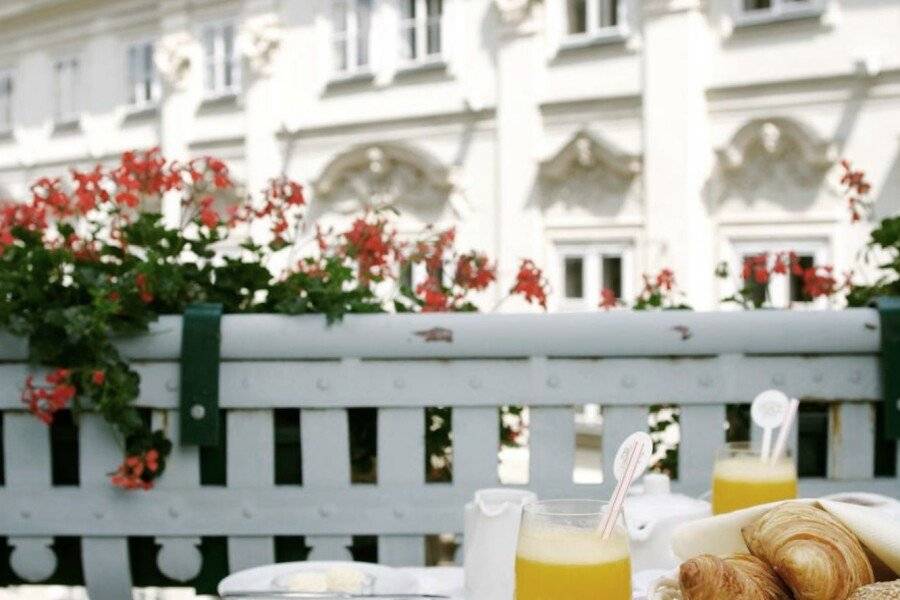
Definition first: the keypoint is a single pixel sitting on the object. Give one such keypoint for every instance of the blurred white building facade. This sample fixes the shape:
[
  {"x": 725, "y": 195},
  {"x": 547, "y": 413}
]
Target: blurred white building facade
[{"x": 603, "y": 138}]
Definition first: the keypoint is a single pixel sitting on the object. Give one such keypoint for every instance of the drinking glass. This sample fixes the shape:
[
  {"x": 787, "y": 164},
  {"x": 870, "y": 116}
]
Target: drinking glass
[
  {"x": 561, "y": 554},
  {"x": 741, "y": 479}
]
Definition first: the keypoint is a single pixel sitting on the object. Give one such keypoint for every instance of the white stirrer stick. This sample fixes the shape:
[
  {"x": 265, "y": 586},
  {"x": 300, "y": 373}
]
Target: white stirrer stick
[
  {"x": 788, "y": 424},
  {"x": 768, "y": 411},
  {"x": 631, "y": 461}
]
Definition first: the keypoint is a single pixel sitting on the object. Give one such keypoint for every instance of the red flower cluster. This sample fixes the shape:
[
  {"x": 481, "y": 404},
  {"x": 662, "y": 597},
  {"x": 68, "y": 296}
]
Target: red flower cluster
[
  {"x": 143, "y": 288},
  {"x": 89, "y": 190},
  {"x": 48, "y": 193},
  {"x": 211, "y": 170},
  {"x": 434, "y": 299},
  {"x": 372, "y": 244},
  {"x": 137, "y": 471},
  {"x": 26, "y": 216},
  {"x": 208, "y": 214},
  {"x": 144, "y": 174},
  {"x": 531, "y": 283},
  {"x": 474, "y": 272},
  {"x": 432, "y": 252},
  {"x": 856, "y": 188},
  {"x": 818, "y": 281},
  {"x": 608, "y": 299},
  {"x": 43, "y": 402},
  {"x": 281, "y": 204}
]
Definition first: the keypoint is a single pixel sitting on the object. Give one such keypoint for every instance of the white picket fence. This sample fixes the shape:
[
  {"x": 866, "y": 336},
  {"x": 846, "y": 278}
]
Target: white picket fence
[{"x": 401, "y": 364}]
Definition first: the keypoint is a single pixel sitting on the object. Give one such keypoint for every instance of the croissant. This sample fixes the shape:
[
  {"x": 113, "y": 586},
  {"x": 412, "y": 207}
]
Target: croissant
[
  {"x": 737, "y": 577},
  {"x": 878, "y": 591},
  {"x": 816, "y": 555}
]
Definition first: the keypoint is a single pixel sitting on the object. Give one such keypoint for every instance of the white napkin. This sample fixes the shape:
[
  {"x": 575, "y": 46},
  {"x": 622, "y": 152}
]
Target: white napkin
[{"x": 876, "y": 528}]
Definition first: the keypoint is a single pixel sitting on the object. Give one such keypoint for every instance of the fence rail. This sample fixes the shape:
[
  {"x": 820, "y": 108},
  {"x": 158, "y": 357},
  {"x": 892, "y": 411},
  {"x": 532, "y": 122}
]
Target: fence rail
[{"x": 401, "y": 364}]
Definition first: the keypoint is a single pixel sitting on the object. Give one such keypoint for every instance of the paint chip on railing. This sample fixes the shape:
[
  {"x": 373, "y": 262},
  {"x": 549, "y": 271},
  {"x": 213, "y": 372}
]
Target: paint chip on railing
[{"x": 436, "y": 334}]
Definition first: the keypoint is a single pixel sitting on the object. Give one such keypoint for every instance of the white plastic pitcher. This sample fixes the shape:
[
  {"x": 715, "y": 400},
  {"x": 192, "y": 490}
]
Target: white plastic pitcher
[{"x": 491, "y": 533}]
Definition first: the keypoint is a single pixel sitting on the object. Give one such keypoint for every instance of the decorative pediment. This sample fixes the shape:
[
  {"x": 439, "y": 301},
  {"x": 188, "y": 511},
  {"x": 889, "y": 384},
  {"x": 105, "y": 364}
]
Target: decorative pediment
[
  {"x": 776, "y": 164},
  {"x": 590, "y": 178},
  {"x": 587, "y": 152},
  {"x": 387, "y": 174},
  {"x": 772, "y": 137}
]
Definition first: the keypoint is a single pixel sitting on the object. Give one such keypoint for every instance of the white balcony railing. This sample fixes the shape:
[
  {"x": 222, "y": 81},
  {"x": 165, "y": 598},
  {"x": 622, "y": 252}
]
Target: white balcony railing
[{"x": 400, "y": 364}]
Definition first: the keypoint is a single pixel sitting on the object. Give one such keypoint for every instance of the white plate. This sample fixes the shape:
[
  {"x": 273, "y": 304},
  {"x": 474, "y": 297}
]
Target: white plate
[{"x": 387, "y": 580}]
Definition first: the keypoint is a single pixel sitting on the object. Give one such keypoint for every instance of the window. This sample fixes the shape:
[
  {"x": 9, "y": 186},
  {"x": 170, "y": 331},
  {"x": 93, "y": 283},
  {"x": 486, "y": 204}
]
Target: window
[
  {"x": 420, "y": 29},
  {"x": 6, "y": 97},
  {"x": 587, "y": 269},
  {"x": 223, "y": 72},
  {"x": 143, "y": 88},
  {"x": 67, "y": 90},
  {"x": 780, "y": 291},
  {"x": 756, "y": 11},
  {"x": 350, "y": 35},
  {"x": 797, "y": 292},
  {"x": 589, "y": 17},
  {"x": 773, "y": 5}
]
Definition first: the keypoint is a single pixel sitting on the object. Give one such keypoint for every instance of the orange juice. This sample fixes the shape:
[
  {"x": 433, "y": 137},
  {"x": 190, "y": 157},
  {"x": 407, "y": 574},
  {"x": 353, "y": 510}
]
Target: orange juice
[
  {"x": 556, "y": 563},
  {"x": 745, "y": 481}
]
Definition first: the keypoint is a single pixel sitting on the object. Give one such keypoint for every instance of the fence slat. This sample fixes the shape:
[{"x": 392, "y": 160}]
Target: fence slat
[
  {"x": 618, "y": 423},
  {"x": 401, "y": 464},
  {"x": 551, "y": 440},
  {"x": 851, "y": 441},
  {"x": 325, "y": 449},
  {"x": 179, "y": 558},
  {"x": 476, "y": 440},
  {"x": 107, "y": 573},
  {"x": 702, "y": 433},
  {"x": 26, "y": 448},
  {"x": 250, "y": 464}
]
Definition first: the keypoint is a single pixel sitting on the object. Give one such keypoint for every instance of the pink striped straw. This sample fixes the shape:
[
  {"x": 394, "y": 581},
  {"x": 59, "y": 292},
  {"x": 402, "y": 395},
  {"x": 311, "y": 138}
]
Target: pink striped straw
[{"x": 640, "y": 446}]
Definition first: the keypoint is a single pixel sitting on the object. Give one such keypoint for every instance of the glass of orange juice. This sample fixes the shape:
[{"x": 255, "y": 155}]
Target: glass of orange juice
[
  {"x": 741, "y": 479},
  {"x": 561, "y": 554}
]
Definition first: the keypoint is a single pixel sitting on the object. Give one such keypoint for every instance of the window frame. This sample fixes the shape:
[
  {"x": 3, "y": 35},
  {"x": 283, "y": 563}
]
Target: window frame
[
  {"x": 133, "y": 101},
  {"x": 6, "y": 120},
  {"x": 780, "y": 10},
  {"x": 592, "y": 255},
  {"x": 71, "y": 114},
  {"x": 780, "y": 286},
  {"x": 421, "y": 24},
  {"x": 593, "y": 32},
  {"x": 220, "y": 60},
  {"x": 350, "y": 38}
]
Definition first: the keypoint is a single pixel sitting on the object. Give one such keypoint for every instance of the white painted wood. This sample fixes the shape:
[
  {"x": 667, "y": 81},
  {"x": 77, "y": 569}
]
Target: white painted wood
[
  {"x": 401, "y": 464},
  {"x": 702, "y": 433},
  {"x": 618, "y": 423},
  {"x": 107, "y": 574},
  {"x": 287, "y": 362},
  {"x": 32, "y": 558},
  {"x": 26, "y": 451},
  {"x": 280, "y": 337},
  {"x": 476, "y": 440},
  {"x": 325, "y": 449},
  {"x": 551, "y": 443},
  {"x": 851, "y": 441},
  {"x": 361, "y": 510},
  {"x": 492, "y": 382},
  {"x": 250, "y": 464},
  {"x": 179, "y": 558}
]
